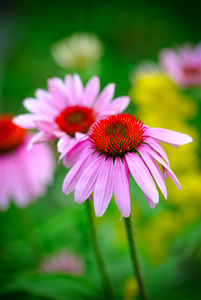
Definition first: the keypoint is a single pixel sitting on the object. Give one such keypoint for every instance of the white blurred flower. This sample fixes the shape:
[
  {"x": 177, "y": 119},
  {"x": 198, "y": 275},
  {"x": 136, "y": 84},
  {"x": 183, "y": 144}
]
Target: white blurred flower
[{"x": 77, "y": 51}]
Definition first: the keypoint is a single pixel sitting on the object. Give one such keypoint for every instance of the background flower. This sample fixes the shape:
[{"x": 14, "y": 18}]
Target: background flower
[
  {"x": 77, "y": 51},
  {"x": 23, "y": 175},
  {"x": 63, "y": 262},
  {"x": 184, "y": 65},
  {"x": 68, "y": 107}
]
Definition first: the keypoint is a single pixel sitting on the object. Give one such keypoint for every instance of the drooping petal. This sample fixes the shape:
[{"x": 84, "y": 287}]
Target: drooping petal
[
  {"x": 164, "y": 164},
  {"x": 74, "y": 174},
  {"x": 105, "y": 97},
  {"x": 104, "y": 187},
  {"x": 121, "y": 187},
  {"x": 142, "y": 176},
  {"x": 73, "y": 152},
  {"x": 150, "y": 202},
  {"x": 168, "y": 136},
  {"x": 91, "y": 91},
  {"x": 63, "y": 143},
  {"x": 154, "y": 169},
  {"x": 156, "y": 146},
  {"x": 86, "y": 183}
]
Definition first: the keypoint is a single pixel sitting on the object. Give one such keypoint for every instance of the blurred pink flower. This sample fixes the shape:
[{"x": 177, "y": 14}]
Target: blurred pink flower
[
  {"x": 23, "y": 175},
  {"x": 183, "y": 66},
  {"x": 68, "y": 107},
  {"x": 116, "y": 146},
  {"x": 63, "y": 262}
]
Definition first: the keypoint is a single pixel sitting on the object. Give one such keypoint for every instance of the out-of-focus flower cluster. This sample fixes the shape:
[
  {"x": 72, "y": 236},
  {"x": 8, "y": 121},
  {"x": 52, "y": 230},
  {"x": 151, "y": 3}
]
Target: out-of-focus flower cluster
[
  {"x": 161, "y": 104},
  {"x": 64, "y": 262}
]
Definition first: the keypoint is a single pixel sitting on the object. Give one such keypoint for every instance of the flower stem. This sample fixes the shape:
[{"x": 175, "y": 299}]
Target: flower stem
[
  {"x": 135, "y": 259},
  {"x": 105, "y": 278}
]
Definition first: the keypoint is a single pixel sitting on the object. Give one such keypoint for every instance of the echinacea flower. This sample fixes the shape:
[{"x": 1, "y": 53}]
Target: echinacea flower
[
  {"x": 77, "y": 51},
  {"x": 23, "y": 175},
  {"x": 116, "y": 146},
  {"x": 183, "y": 66},
  {"x": 63, "y": 262},
  {"x": 68, "y": 107}
]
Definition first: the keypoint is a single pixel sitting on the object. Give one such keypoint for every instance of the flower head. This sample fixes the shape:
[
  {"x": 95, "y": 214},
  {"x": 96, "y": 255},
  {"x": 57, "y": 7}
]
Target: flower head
[
  {"x": 77, "y": 51},
  {"x": 183, "y": 66},
  {"x": 116, "y": 146},
  {"x": 67, "y": 108},
  {"x": 23, "y": 175}
]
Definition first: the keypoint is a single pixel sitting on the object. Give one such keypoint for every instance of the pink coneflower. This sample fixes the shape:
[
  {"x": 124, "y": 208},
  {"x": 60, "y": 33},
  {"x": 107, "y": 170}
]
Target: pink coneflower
[
  {"x": 116, "y": 146},
  {"x": 63, "y": 262},
  {"x": 68, "y": 107},
  {"x": 23, "y": 175},
  {"x": 183, "y": 66}
]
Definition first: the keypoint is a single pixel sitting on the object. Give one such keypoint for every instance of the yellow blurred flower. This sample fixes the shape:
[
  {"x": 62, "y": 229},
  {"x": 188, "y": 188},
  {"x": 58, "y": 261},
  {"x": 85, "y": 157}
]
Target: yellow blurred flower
[{"x": 161, "y": 104}]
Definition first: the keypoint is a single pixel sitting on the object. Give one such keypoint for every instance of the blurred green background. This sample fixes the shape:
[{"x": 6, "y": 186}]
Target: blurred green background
[{"x": 169, "y": 237}]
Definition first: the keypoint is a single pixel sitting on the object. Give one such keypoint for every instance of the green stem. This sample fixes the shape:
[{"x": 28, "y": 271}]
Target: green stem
[
  {"x": 105, "y": 278},
  {"x": 135, "y": 259}
]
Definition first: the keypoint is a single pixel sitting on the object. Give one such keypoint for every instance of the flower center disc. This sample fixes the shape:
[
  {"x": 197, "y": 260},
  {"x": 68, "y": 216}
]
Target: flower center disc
[
  {"x": 192, "y": 70},
  {"x": 75, "y": 119},
  {"x": 11, "y": 135},
  {"x": 117, "y": 134}
]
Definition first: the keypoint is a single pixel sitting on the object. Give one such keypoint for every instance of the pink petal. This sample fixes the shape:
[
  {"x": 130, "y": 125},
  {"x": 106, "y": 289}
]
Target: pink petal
[
  {"x": 19, "y": 182},
  {"x": 164, "y": 164},
  {"x": 74, "y": 151},
  {"x": 45, "y": 125},
  {"x": 150, "y": 202},
  {"x": 43, "y": 95},
  {"x": 58, "y": 90},
  {"x": 105, "y": 97},
  {"x": 104, "y": 187},
  {"x": 79, "y": 87},
  {"x": 121, "y": 187},
  {"x": 154, "y": 169},
  {"x": 142, "y": 176},
  {"x": 5, "y": 181},
  {"x": 168, "y": 136},
  {"x": 156, "y": 146},
  {"x": 35, "y": 138},
  {"x": 91, "y": 91},
  {"x": 71, "y": 90},
  {"x": 118, "y": 105},
  {"x": 85, "y": 185},
  {"x": 74, "y": 174},
  {"x": 25, "y": 121},
  {"x": 63, "y": 143},
  {"x": 40, "y": 107}
]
